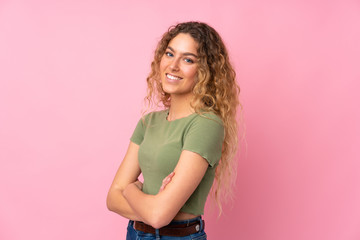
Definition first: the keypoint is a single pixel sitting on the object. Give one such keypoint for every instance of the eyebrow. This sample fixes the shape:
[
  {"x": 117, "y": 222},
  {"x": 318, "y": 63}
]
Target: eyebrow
[{"x": 185, "y": 53}]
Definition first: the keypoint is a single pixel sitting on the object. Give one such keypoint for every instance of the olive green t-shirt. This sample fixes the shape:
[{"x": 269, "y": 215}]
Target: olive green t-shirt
[{"x": 161, "y": 143}]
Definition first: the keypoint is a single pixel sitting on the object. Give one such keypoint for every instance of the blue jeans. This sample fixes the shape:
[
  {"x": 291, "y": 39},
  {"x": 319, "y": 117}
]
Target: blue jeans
[{"x": 133, "y": 234}]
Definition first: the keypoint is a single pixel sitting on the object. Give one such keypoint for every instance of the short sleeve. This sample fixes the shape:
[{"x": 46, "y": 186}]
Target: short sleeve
[
  {"x": 205, "y": 136},
  {"x": 138, "y": 134}
]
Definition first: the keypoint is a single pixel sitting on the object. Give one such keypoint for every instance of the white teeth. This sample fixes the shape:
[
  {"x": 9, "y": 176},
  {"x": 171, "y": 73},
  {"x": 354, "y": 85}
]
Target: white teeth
[{"x": 173, "y": 77}]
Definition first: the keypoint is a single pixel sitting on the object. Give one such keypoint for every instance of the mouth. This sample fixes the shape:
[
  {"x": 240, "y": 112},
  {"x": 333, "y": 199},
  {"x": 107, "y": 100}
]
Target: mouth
[{"x": 172, "y": 77}]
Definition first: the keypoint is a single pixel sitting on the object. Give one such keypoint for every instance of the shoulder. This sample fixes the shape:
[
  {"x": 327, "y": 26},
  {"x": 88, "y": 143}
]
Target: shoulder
[
  {"x": 205, "y": 136},
  {"x": 208, "y": 118},
  {"x": 153, "y": 116},
  {"x": 206, "y": 123}
]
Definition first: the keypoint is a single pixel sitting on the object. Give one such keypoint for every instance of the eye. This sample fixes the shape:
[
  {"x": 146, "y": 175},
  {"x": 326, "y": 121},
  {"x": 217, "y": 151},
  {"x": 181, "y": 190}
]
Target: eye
[
  {"x": 188, "y": 60},
  {"x": 169, "y": 54}
]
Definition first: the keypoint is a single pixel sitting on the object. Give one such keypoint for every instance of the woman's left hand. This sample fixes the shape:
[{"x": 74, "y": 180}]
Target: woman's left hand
[{"x": 166, "y": 181}]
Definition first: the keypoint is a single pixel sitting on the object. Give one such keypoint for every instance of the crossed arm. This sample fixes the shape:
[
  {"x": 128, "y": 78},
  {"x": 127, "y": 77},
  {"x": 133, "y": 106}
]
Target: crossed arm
[{"x": 126, "y": 199}]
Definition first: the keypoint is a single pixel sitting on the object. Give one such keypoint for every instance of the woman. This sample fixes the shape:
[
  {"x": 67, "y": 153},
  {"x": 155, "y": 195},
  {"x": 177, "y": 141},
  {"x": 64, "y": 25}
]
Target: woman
[{"x": 181, "y": 149}]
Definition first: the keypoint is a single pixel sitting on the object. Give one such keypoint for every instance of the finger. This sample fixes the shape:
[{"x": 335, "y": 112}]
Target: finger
[
  {"x": 162, "y": 188},
  {"x": 169, "y": 177},
  {"x": 165, "y": 182},
  {"x": 171, "y": 174}
]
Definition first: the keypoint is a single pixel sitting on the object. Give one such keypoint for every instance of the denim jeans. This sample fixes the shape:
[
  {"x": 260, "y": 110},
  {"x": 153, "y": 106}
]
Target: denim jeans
[{"x": 133, "y": 234}]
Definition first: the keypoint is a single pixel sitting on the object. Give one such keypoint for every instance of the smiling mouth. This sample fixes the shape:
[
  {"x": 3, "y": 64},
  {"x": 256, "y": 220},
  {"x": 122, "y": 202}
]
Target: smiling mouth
[{"x": 172, "y": 77}]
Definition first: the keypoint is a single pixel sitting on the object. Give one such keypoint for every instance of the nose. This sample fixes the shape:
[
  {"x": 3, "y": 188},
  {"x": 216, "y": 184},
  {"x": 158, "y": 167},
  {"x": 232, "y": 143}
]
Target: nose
[{"x": 174, "y": 65}]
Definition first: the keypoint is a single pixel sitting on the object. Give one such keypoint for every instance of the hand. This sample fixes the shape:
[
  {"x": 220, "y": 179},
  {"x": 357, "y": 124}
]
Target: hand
[
  {"x": 138, "y": 184},
  {"x": 166, "y": 181}
]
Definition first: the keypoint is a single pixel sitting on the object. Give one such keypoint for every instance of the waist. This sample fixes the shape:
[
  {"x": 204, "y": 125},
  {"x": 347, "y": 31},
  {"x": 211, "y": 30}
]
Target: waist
[
  {"x": 176, "y": 228},
  {"x": 185, "y": 216}
]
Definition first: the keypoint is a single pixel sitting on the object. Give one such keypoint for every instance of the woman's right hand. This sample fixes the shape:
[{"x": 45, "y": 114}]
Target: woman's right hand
[
  {"x": 166, "y": 181},
  {"x": 138, "y": 184}
]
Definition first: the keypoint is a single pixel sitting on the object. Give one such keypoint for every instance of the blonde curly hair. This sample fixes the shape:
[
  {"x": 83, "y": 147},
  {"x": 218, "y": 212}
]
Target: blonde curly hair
[{"x": 215, "y": 91}]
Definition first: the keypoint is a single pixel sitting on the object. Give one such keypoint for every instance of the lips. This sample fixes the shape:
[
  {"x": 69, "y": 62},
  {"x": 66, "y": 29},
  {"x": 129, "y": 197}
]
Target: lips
[{"x": 172, "y": 77}]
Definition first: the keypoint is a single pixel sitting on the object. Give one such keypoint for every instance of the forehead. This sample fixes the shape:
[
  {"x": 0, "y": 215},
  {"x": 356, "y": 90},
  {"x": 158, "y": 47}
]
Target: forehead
[{"x": 183, "y": 42}]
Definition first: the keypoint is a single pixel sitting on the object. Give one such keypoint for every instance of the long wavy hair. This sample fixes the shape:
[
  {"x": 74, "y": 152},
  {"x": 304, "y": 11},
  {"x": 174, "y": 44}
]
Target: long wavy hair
[{"x": 215, "y": 91}]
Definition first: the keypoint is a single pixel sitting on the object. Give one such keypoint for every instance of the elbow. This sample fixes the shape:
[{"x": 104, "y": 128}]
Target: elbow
[
  {"x": 160, "y": 219},
  {"x": 159, "y": 223},
  {"x": 110, "y": 201},
  {"x": 109, "y": 204}
]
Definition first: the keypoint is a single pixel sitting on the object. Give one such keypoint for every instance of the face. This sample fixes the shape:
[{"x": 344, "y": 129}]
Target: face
[{"x": 178, "y": 66}]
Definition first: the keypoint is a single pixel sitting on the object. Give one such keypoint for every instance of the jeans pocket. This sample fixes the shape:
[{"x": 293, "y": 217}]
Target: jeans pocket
[
  {"x": 131, "y": 233},
  {"x": 199, "y": 236}
]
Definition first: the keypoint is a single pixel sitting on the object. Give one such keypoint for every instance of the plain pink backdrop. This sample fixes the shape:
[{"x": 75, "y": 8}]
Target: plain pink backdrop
[{"x": 72, "y": 80}]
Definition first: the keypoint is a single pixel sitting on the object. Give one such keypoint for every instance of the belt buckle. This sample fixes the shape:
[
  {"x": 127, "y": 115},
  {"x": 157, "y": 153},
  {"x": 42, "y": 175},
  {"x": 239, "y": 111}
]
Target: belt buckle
[{"x": 197, "y": 227}]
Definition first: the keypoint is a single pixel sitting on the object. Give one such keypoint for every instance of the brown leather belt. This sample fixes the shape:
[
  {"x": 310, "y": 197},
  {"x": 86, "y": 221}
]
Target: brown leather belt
[{"x": 173, "y": 230}]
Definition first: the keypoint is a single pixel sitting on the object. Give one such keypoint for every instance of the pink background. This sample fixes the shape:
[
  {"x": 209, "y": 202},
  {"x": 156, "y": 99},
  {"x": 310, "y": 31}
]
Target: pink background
[{"x": 72, "y": 80}]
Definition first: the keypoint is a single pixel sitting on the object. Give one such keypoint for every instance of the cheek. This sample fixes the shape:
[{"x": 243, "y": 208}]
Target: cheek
[
  {"x": 192, "y": 72},
  {"x": 162, "y": 64}
]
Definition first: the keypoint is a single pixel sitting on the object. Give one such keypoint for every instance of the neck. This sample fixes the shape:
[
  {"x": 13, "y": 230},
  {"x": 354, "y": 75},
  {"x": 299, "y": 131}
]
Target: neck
[{"x": 180, "y": 107}]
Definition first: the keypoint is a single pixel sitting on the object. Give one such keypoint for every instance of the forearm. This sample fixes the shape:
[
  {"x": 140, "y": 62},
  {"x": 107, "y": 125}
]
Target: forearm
[
  {"x": 117, "y": 203},
  {"x": 151, "y": 208}
]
